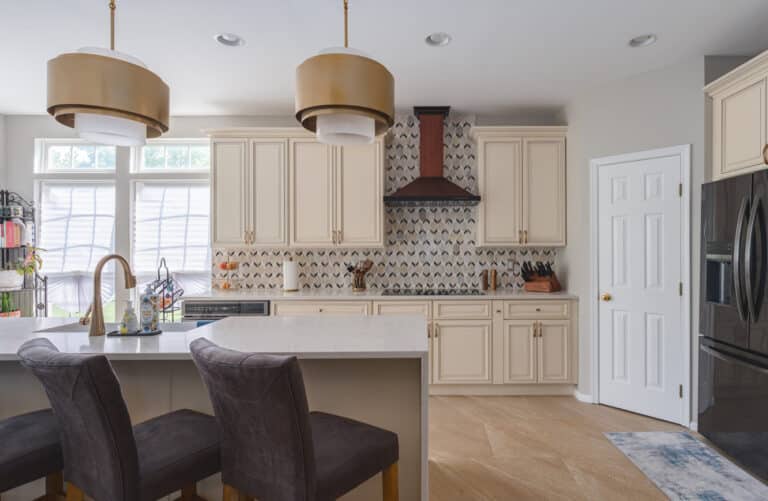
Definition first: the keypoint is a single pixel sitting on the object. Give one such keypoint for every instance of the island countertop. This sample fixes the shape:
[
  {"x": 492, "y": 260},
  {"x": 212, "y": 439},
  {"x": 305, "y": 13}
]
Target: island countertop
[{"x": 305, "y": 337}]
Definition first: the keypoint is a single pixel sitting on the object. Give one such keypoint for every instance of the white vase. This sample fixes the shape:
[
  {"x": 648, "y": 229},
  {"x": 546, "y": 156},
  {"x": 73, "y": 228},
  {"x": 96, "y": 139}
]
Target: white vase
[{"x": 10, "y": 279}]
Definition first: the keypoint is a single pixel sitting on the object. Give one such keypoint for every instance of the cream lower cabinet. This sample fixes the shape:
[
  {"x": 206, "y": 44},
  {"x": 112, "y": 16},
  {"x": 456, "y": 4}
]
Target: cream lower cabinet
[
  {"x": 462, "y": 352},
  {"x": 420, "y": 308},
  {"x": 521, "y": 178},
  {"x": 519, "y": 352},
  {"x": 302, "y": 308}
]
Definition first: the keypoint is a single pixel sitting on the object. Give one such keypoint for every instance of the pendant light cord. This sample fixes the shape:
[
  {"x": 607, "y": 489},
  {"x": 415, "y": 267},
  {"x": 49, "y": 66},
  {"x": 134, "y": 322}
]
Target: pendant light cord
[
  {"x": 346, "y": 23},
  {"x": 112, "y": 7}
]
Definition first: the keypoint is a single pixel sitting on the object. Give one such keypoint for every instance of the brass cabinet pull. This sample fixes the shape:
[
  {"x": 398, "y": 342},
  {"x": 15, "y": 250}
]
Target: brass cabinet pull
[
  {"x": 341, "y": 235},
  {"x": 333, "y": 237},
  {"x": 765, "y": 154},
  {"x": 519, "y": 236},
  {"x": 525, "y": 236}
]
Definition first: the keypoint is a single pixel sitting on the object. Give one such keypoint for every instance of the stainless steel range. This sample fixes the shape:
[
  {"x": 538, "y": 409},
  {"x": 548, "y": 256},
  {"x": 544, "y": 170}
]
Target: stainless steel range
[{"x": 432, "y": 292}]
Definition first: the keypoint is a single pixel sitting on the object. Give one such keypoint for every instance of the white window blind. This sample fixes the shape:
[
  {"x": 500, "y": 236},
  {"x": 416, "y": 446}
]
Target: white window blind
[
  {"x": 77, "y": 226},
  {"x": 171, "y": 221}
]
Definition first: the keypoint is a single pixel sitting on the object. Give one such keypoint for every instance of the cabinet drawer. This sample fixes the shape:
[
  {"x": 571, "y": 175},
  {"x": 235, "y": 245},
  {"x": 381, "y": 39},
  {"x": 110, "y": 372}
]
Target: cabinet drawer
[
  {"x": 536, "y": 309},
  {"x": 299, "y": 308},
  {"x": 423, "y": 308},
  {"x": 461, "y": 310}
]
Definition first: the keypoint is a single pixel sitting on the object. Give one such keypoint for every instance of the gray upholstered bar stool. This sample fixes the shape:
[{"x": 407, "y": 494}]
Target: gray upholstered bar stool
[
  {"x": 272, "y": 447},
  {"x": 105, "y": 457},
  {"x": 30, "y": 449}
]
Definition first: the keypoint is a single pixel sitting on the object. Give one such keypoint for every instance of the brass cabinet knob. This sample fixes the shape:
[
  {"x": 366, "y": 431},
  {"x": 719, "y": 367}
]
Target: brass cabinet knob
[{"x": 605, "y": 296}]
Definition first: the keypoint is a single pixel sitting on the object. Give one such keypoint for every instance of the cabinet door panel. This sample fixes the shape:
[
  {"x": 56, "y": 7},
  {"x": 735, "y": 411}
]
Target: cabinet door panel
[
  {"x": 269, "y": 173},
  {"x": 740, "y": 129},
  {"x": 499, "y": 180},
  {"x": 544, "y": 191},
  {"x": 360, "y": 202},
  {"x": 519, "y": 352},
  {"x": 462, "y": 352},
  {"x": 554, "y": 352},
  {"x": 312, "y": 194},
  {"x": 229, "y": 194}
]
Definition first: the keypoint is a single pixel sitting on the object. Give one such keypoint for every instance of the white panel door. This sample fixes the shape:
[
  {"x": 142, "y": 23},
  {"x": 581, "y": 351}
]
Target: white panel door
[
  {"x": 312, "y": 193},
  {"x": 360, "y": 195},
  {"x": 229, "y": 192},
  {"x": 269, "y": 179},
  {"x": 640, "y": 261},
  {"x": 544, "y": 191}
]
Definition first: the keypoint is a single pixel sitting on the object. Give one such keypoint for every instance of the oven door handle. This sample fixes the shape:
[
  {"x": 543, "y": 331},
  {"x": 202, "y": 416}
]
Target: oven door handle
[
  {"x": 710, "y": 350},
  {"x": 737, "y": 265}
]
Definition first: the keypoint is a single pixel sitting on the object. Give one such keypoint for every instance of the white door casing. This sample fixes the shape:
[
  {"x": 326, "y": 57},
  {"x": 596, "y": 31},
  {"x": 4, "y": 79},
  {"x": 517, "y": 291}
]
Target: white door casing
[{"x": 641, "y": 260}]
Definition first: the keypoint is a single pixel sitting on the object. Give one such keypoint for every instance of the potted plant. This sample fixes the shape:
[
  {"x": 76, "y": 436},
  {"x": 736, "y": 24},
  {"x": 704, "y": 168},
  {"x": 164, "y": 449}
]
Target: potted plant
[{"x": 7, "y": 309}]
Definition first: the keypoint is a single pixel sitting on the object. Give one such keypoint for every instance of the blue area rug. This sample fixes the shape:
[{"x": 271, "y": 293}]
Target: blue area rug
[{"x": 686, "y": 469}]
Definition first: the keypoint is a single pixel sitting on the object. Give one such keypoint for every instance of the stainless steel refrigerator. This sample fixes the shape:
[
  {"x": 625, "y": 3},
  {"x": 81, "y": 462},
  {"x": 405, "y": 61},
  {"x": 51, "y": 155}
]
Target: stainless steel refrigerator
[{"x": 733, "y": 341}]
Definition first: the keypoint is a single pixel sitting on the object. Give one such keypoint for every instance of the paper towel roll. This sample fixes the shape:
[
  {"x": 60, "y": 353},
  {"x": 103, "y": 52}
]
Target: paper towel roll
[{"x": 290, "y": 276}]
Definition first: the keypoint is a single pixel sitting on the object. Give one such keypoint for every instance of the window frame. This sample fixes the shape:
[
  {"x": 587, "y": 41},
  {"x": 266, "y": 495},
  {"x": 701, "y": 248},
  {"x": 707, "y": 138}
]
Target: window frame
[{"x": 126, "y": 174}]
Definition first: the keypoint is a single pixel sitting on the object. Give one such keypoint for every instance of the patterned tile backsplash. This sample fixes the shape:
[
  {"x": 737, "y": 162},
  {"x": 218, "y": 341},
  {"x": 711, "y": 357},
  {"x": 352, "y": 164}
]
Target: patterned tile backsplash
[{"x": 431, "y": 247}]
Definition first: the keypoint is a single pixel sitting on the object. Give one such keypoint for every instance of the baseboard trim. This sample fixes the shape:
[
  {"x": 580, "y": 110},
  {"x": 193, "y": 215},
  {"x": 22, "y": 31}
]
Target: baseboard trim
[
  {"x": 694, "y": 426},
  {"x": 583, "y": 397},
  {"x": 502, "y": 389}
]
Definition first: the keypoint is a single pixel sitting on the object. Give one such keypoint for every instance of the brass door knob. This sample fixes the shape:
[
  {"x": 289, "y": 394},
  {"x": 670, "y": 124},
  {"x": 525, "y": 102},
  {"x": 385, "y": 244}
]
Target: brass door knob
[{"x": 605, "y": 296}]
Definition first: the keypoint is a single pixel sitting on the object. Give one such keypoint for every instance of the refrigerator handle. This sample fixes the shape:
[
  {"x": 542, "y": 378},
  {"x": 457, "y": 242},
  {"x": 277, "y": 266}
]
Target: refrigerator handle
[
  {"x": 711, "y": 350},
  {"x": 737, "y": 251},
  {"x": 754, "y": 292}
]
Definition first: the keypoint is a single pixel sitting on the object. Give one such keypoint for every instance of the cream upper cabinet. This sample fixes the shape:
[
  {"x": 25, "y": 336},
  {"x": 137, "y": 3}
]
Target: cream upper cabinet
[
  {"x": 521, "y": 176},
  {"x": 739, "y": 132},
  {"x": 229, "y": 192},
  {"x": 279, "y": 187},
  {"x": 462, "y": 352},
  {"x": 360, "y": 195},
  {"x": 554, "y": 351},
  {"x": 269, "y": 192},
  {"x": 312, "y": 193},
  {"x": 543, "y": 194},
  {"x": 500, "y": 182}
]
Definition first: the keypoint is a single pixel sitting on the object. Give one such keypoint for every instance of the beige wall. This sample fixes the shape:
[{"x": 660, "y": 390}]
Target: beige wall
[{"x": 654, "y": 110}]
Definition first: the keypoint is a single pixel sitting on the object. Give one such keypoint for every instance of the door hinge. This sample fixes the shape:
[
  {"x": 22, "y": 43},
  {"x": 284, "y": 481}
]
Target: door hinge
[
  {"x": 680, "y": 190},
  {"x": 680, "y": 289},
  {"x": 681, "y": 391}
]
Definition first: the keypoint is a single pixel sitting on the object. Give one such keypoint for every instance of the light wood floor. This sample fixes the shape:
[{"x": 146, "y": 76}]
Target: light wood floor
[{"x": 517, "y": 448}]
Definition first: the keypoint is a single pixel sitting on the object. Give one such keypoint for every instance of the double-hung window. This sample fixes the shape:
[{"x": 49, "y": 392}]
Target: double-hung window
[{"x": 144, "y": 203}]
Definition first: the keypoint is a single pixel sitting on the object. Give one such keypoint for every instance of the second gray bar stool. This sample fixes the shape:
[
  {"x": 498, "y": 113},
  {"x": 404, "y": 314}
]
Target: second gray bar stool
[
  {"x": 105, "y": 457},
  {"x": 272, "y": 447}
]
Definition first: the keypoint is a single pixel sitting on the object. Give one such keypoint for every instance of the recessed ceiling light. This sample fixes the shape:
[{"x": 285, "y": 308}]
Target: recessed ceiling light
[
  {"x": 229, "y": 39},
  {"x": 643, "y": 40},
  {"x": 438, "y": 39}
]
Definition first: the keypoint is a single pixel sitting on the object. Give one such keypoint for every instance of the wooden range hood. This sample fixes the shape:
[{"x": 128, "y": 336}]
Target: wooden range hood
[{"x": 431, "y": 188}]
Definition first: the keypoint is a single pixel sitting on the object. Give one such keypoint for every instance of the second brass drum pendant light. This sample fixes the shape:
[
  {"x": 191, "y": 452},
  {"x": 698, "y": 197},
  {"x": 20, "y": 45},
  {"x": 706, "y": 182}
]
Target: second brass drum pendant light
[
  {"x": 107, "y": 96},
  {"x": 343, "y": 95}
]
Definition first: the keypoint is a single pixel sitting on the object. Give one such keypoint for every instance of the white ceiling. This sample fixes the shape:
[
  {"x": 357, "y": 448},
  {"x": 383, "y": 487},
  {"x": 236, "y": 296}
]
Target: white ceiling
[{"x": 507, "y": 55}]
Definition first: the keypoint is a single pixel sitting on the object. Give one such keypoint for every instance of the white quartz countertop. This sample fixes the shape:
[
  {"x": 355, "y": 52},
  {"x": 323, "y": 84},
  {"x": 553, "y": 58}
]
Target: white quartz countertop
[
  {"x": 369, "y": 295},
  {"x": 305, "y": 337}
]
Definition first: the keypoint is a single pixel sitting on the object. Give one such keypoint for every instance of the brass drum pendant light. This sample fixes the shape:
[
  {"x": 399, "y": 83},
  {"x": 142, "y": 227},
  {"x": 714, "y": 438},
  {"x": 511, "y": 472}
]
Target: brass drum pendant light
[
  {"x": 344, "y": 96},
  {"x": 107, "y": 96}
]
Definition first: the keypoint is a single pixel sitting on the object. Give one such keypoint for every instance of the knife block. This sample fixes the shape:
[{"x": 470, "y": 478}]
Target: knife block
[{"x": 538, "y": 283}]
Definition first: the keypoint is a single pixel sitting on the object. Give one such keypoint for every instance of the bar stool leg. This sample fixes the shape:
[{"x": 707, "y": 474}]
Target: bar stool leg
[
  {"x": 189, "y": 493},
  {"x": 74, "y": 493},
  {"x": 390, "y": 483},
  {"x": 232, "y": 494}
]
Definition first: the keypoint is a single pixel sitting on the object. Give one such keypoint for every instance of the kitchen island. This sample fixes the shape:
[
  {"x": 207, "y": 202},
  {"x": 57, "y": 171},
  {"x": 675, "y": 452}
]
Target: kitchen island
[{"x": 373, "y": 369}]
